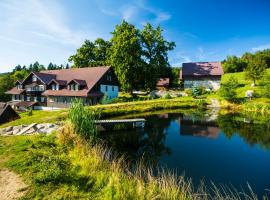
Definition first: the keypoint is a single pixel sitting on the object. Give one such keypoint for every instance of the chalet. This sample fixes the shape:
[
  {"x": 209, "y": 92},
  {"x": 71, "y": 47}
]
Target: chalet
[
  {"x": 206, "y": 74},
  {"x": 7, "y": 114},
  {"x": 57, "y": 88},
  {"x": 163, "y": 84}
]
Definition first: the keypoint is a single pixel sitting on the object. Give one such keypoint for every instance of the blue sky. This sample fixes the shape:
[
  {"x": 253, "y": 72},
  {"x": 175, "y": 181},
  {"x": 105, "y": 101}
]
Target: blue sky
[{"x": 204, "y": 30}]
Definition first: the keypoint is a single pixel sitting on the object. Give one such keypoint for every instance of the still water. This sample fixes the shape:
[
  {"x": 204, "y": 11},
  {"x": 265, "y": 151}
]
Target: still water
[{"x": 228, "y": 149}]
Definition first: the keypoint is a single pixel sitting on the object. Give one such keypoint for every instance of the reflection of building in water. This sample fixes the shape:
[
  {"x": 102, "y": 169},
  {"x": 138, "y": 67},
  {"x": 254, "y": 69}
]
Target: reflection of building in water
[
  {"x": 198, "y": 127},
  {"x": 163, "y": 116}
]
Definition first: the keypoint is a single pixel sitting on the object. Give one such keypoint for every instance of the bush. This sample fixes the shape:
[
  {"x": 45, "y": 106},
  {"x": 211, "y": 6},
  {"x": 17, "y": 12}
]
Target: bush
[
  {"x": 197, "y": 91},
  {"x": 266, "y": 86},
  {"x": 83, "y": 120},
  {"x": 228, "y": 89},
  {"x": 167, "y": 96}
]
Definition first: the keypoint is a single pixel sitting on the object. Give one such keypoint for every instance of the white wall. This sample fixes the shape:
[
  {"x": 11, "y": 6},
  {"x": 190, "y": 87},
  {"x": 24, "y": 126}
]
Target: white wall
[
  {"x": 110, "y": 93},
  {"x": 207, "y": 83}
]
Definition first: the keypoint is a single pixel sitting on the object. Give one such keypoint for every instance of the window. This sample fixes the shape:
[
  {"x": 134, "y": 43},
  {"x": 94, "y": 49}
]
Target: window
[
  {"x": 76, "y": 87},
  {"x": 109, "y": 78},
  {"x": 34, "y": 78},
  {"x": 35, "y": 99},
  {"x": 41, "y": 87},
  {"x": 106, "y": 88},
  {"x": 42, "y": 99},
  {"x": 19, "y": 86},
  {"x": 112, "y": 88},
  {"x": 28, "y": 98}
]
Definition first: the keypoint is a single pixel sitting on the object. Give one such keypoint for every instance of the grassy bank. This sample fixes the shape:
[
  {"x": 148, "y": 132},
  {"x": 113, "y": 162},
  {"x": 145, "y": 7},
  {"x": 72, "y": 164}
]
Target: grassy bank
[
  {"x": 66, "y": 167},
  {"x": 108, "y": 110}
]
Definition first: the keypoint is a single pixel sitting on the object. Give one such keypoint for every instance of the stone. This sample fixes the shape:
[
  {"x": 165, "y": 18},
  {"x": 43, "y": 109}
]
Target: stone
[
  {"x": 40, "y": 126},
  {"x": 26, "y": 129},
  {"x": 9, "y": 133},
  {"x": 249, "y": 93},
  {"x": 50, "y": 125},
  {"x": 16, "y": 131},
  {"x": 10, "y": 128}
]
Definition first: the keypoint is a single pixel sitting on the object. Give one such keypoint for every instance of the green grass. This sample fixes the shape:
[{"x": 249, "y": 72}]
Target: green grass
[
  {"x": 64, "y": 166},
  {"x": 245, "y": 84},
  {"x": 108, "y": 110}
]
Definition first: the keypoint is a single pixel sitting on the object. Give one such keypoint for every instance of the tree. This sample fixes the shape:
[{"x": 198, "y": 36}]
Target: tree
[
  {"x": 155, "y": 55},
  {"x": 20, "y": 75},
  {"x": 6, "y": 83},
  {"x": 256, "y": 68},
  {"x": 125, "y": 55},
  {"x": 266, "y": 85},
  {"x": 228, "y": 89},
  {"x": 91, "y": 53},
  {"x": 233, "y": 64}
]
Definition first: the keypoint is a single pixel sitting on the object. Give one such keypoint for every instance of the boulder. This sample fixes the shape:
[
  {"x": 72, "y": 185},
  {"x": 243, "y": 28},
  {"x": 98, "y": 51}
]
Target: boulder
[
  {"x": 40, "y": 126},
  {"x": 16, "y": 131},
  {"x": 9, "y": 133},
  {"x": 8, "y": 129}
]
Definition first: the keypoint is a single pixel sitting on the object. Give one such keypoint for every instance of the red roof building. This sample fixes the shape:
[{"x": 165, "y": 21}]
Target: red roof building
[
  {"x": 205, "y": 74},
  {"x": 57, "y": 88}
]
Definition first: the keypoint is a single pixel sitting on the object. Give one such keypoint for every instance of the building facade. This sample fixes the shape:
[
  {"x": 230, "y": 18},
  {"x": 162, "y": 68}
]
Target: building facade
[
  {"x": 205, "y": 74},
  {"x": 54, "y": 89}
]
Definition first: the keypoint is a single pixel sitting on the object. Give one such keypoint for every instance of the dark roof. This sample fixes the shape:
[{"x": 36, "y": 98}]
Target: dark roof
[
  {"x": 163, "y": 82},
  {"x": 59, "y": 82},
  {"x": 7, "y": 113},
  {"x": 45, "y": 77},
  {"x": 201, "y": 69},
  {"x": 80, "y": 82},
  {"x": 2, "y": 107},
  {"x": 26, "y": 103}
]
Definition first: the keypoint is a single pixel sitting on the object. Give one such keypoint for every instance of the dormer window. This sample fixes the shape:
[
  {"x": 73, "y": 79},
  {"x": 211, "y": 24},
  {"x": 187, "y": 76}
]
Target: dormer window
[
  {"x": 74, "y": 87},
  {"x": 55, "y": 87},
  {"x": 34, "y": 78},
  {"x": 19, "y": 86}
]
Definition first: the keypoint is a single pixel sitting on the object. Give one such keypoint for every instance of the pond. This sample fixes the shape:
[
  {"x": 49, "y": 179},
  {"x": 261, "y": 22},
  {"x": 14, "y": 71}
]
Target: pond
[{"x": 228, "y": 149}]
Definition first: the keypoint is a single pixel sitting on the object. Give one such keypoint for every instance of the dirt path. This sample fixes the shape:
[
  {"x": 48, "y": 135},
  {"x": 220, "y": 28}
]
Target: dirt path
[{"x": 11, "y": 185}]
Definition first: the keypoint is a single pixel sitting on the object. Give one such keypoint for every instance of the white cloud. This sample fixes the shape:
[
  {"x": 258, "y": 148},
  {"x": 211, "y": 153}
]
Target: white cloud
[
  {"x": 135, "y": 11},
  {"x": 37, "y": 30},
  {"x": 45, "y": 19},
  {"x": 261, "y": 47},
  {"x": 200, "y": 55},
  {"x": 129, "y": 12}
]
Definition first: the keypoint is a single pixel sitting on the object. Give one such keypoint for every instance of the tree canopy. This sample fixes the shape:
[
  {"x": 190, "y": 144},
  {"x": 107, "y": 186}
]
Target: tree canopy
[
  {"x": 91, "y": 54},
  {"x": 256, "y": 68}
]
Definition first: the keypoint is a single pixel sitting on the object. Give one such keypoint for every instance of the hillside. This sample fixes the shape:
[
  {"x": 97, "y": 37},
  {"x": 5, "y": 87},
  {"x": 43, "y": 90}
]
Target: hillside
[{"x": 244, "y": 83}]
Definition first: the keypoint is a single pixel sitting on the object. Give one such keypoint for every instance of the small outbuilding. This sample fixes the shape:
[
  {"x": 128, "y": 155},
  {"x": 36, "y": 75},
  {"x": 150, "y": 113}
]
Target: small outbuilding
[
  {"x": 7, "y": 113},
  {"x": 205, "y": 74}
]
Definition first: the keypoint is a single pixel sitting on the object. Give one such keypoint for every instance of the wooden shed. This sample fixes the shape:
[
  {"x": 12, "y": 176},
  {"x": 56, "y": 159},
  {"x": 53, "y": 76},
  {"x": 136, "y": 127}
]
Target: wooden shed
[{"x": 7, "y": 113}]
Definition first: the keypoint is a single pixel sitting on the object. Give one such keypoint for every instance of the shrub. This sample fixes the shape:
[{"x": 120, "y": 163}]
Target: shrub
[
  {"x": 167, "y": 96},
  {"x": 266, "y": 86},
  {"x": 83, "y": 120},
  {"x": 228, "y": 89},
  {"x": 197, "y": 91}
]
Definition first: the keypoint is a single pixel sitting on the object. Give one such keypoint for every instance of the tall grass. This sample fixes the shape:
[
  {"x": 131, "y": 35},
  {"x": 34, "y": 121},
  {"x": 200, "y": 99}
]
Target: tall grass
[
  {"x": 68, "y": 167},
  {"x": 263, "y": 108},
  {"x": 83, "y": 120}
]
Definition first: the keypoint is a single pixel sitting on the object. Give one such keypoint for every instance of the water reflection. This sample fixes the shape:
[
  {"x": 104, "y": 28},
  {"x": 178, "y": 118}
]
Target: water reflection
[{"x": 228, "y": 148}]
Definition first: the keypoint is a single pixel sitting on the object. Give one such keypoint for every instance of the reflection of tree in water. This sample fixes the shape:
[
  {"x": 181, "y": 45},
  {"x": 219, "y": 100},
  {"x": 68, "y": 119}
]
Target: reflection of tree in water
[
  {"x": 147, "y": 145},
  {"x": 252, "y": 133}
]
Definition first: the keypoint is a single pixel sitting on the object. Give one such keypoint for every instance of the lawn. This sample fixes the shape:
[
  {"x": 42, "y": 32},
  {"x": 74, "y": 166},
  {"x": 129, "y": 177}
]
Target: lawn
[{"x": 108, "y": 110}]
